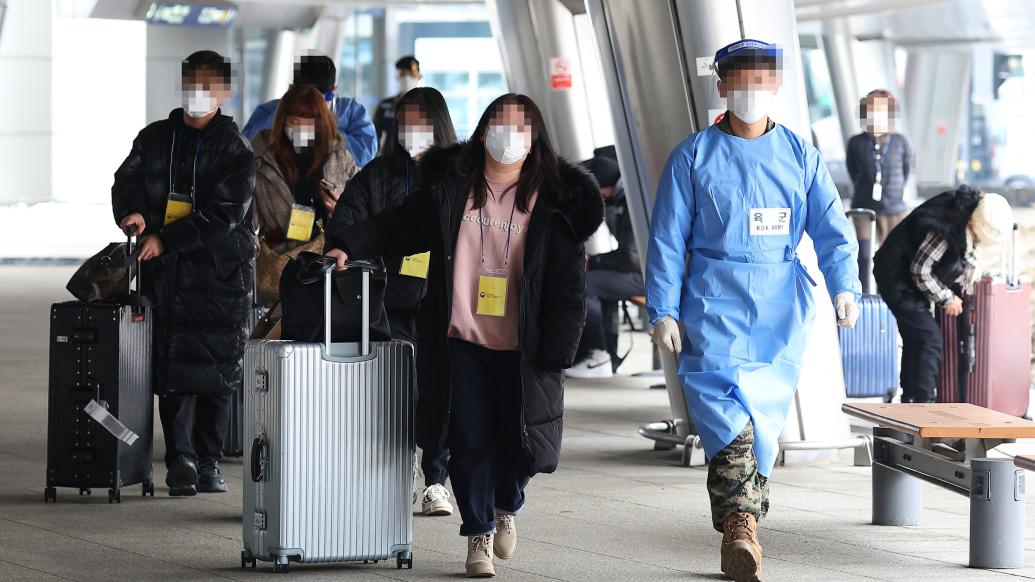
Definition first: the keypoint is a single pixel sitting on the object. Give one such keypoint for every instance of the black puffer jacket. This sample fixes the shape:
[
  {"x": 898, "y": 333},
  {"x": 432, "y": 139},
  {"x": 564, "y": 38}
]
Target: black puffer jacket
[
  {"x": 946, "y": 215},
  {"x": 200, "y": 283},
  {"x": 376, "y": 188},
  {"x": 625, "y": 259},
  {"x": 552, "y": 305}
]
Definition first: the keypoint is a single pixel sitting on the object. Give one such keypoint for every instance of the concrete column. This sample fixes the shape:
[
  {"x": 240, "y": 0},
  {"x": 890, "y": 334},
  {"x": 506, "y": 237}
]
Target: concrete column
[
  {"x": 25, "y": 103},
  {"x": 936, "y": 92}
]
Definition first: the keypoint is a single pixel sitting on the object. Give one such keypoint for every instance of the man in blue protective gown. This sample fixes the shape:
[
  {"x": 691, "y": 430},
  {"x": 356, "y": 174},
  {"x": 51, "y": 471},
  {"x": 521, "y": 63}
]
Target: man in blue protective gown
[
  {"x": 353, "y": 122},
  {"x": 727, "y": 292}
]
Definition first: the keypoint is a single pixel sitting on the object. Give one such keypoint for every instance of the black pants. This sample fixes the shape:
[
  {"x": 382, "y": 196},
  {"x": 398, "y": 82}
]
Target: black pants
[
  {"x": 488, "y": 464},
  {"x": 921, "y": 349},
  {"x": 194, "y": 426},
  {"x": 604, "y": 289},
  {"x": 434, "y": 463}
]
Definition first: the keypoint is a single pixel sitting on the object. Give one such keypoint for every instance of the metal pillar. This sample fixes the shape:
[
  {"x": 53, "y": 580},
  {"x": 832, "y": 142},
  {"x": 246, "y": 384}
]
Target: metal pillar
[
  {"x": 531, "y": 34},
  {"x": 996, "y": 514},
  {"x": 898, "y": 499},
  {"x": 937, "y": 93}
]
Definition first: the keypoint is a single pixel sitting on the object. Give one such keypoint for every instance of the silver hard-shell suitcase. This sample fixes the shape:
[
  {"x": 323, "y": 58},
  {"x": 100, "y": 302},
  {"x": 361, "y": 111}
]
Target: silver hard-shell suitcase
[{"x": 329, "y": 427}]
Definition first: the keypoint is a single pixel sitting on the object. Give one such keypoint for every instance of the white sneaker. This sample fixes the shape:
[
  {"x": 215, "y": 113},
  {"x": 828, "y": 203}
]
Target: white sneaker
[
  {"x": 436, "y": 501},
  {"x": 505, "y": 542},
  {"x": 596, "y": 365},
  {"x": 479, "y": 557}
]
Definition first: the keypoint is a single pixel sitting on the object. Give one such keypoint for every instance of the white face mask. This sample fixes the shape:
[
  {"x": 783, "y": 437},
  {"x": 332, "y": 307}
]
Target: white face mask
[
  {"x": 416, "y": 141},
  {"x": 406, "y": 83},
  {"x": 507, "y": 144},
  {"x": 199, "y": 102},
  {"x": 877, "y": 122},
  {"x": 301, "y": 136},
  {"x": 750, "y": 105}
]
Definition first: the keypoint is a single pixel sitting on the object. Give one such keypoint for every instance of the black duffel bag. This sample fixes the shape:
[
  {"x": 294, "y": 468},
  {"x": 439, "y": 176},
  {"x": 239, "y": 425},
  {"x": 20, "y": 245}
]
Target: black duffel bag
[{"x": 302, "y": 297}]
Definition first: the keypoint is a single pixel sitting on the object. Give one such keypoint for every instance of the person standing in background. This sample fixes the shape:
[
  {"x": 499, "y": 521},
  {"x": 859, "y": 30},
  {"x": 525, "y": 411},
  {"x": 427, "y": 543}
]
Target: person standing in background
[
  {"x": 353, "y": 123},
  {"x": 879, "y": 161},
  {"x": 408, "y": 76}
]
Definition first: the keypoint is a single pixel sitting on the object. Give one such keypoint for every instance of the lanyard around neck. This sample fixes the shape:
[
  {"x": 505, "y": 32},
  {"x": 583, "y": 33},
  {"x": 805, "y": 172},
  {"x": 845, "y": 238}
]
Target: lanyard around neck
[
  {"x": 510, "y": 230},
  {"x": 174, "y": 162}
]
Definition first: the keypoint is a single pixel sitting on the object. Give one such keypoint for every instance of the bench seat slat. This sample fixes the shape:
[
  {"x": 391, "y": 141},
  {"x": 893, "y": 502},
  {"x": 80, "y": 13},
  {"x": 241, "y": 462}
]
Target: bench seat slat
[{"x": 943, "y": 420}]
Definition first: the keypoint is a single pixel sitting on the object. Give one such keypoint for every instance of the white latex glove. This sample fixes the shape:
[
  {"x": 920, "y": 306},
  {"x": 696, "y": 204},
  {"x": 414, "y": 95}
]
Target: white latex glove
[
  {"x": 847, "y": 309},
  {"x": 666, "y": 335}
]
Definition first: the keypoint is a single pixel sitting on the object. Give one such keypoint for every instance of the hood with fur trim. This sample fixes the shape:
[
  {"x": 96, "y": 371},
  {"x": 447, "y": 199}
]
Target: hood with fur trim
[{"x": 584, "y": 209}]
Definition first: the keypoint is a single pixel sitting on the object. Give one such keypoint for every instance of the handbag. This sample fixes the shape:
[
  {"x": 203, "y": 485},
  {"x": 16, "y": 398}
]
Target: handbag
[
  {"x": 105, "y": 277},
  {"x": 269, "y": 264},
  {"x": 302, "y": 301}
]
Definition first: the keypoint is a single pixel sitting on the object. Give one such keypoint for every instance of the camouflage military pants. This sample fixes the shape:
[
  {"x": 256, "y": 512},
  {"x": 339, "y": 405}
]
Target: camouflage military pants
[{"x": 734, "y": 483}]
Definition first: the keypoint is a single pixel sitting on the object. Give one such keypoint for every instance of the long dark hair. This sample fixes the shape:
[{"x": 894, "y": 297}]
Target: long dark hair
[
  {"x": 303, "y": 101},
  {"x": 433, "y": 107},
  {"x": 541, "y": 169}
]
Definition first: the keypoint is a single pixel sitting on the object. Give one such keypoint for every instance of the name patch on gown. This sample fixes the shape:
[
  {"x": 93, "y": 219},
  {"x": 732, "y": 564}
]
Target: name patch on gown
[{"x": 769, "y": 221}]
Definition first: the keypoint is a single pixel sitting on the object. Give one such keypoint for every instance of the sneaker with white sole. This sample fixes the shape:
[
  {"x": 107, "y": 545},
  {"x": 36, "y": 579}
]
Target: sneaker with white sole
[
  {"x": 596, "y": 365},
  {"x": 505, "y": 543},
  {"x": 436, "y": 501},
  {"x": 479, "y": 557}
]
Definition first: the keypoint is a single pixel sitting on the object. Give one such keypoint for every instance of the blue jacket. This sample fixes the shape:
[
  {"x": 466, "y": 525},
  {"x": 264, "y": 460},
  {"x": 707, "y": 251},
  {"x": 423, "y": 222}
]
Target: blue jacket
[{"x": 353, "y": 123}]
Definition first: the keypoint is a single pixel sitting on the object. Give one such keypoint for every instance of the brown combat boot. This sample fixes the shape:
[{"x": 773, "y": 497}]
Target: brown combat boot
[{"x": 741, "y": 553}]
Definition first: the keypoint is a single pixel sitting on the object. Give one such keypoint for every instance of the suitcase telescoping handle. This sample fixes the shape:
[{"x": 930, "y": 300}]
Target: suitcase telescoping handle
[
  {"x": 327, "y": 265},
  {"x": 1014, "y": 281},
  {"x": 873, "y": 238},
  {"x": 132, "y": 246}
]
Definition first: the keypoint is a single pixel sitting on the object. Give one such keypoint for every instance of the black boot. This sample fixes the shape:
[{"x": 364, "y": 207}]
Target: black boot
[
  {"x": 210, "y": 478},
  {"x": 182, "y": 477}
]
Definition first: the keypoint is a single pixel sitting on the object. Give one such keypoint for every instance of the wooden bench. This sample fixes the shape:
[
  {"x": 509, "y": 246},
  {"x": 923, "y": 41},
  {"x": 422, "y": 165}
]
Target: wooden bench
[{"x": 947, "y": 445}]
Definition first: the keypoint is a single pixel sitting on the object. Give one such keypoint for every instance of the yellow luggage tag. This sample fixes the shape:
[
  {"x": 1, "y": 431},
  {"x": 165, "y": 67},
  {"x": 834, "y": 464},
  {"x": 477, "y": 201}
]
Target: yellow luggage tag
[
  {"x": 492, "y": 294},
  {"x": 416, "y": 265},
  {"x": 300, "y": 225},
  {"x": 177, "y": 206}
]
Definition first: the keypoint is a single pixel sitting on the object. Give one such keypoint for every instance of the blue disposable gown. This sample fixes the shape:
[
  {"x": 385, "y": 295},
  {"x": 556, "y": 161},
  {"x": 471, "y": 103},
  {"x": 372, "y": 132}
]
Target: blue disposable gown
[{"x": 742, "y": 296}]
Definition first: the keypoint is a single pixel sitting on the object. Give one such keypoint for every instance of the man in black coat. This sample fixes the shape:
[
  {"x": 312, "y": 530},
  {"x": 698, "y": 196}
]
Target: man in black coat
[
  {"x": 186, "y": 190},
  {"x": 611, "y": 277}
]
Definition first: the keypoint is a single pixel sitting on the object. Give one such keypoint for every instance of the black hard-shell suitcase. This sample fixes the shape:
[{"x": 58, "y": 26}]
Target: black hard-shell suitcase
[{"x": 102, "y": 352}]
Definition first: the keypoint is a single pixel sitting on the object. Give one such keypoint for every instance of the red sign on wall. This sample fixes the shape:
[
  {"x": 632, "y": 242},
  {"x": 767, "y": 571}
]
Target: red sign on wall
[{"x": 560, "y": 73}]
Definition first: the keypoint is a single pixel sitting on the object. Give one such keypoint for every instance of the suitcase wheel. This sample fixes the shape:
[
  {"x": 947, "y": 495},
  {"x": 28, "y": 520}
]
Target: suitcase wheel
[
  {"x": 149, "y": 489},
  {"x": 50, "y": 494},
  {"x": 400, "y": 561},
  {"x": 114, "y": 496},
  {"x": 280, "y": 568},
  {"x": 247, "y": 560}
]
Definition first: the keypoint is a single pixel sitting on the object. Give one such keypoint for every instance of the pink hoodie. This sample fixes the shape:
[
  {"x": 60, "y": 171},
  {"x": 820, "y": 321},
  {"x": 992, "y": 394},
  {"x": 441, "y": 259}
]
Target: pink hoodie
[{"x": 494, "y": 224}]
